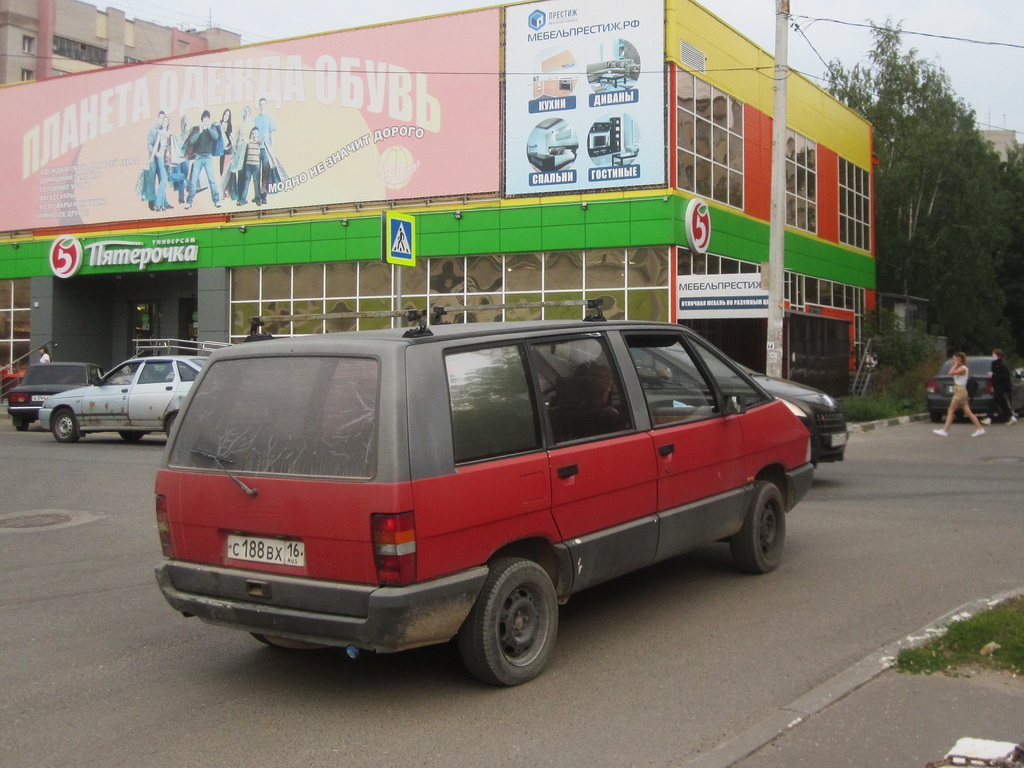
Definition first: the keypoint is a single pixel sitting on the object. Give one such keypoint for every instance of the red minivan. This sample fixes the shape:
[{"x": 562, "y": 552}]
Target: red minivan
[{"x": 391, "y": 489}]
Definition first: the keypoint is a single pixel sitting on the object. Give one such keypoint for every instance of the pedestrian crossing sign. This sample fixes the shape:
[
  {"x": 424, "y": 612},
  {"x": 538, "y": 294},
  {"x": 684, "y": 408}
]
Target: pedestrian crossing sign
[{"x": 399, "y": 238}]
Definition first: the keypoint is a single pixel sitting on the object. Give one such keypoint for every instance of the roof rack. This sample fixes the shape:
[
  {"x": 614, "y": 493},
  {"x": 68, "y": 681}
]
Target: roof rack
[
  {"x": 149, "y": 347},
  {"x": 419, "y": 316}
]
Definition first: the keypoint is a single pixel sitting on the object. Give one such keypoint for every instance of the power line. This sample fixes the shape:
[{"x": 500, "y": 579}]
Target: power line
[{"x": 874, "y": 27}]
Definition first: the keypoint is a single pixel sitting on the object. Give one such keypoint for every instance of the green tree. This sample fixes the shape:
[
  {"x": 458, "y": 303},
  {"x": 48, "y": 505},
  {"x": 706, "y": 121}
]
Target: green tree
[
  {"x": 1010, "y": 268},
  {"x": 940, "y": 211}
]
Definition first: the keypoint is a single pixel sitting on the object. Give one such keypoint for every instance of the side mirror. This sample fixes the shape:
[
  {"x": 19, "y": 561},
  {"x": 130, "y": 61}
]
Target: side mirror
[
  {"x": 735, "y": 405},
  {"x": 96, "y": 381}
]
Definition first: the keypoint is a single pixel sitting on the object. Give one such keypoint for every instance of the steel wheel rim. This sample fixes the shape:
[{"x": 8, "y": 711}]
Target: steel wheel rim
[{"x": 521, "y": 626}]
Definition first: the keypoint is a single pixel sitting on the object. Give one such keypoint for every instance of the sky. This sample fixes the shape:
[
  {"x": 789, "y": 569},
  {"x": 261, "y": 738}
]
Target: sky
[{"x": 986, "y": 74}]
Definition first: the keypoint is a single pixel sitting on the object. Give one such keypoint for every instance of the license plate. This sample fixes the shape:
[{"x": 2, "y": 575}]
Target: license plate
[
  {"x": 271, "y": 551},
  {"x": 39, "y": 398},
  {"x": 838, "y": 439}
]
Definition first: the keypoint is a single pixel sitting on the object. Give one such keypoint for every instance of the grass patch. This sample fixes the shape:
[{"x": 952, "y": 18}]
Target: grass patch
[
  {"x": 860, "y": 408},
  {"x": 991, "y": 640}
]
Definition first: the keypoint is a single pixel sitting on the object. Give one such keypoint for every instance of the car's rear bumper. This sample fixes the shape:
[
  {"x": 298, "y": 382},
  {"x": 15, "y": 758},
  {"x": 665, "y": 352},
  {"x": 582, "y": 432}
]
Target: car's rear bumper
[{"x": 384, "y": 619}]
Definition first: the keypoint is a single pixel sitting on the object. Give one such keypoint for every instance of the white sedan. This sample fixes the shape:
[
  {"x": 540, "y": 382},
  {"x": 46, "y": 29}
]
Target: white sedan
[{"x": 138, "y": 396}]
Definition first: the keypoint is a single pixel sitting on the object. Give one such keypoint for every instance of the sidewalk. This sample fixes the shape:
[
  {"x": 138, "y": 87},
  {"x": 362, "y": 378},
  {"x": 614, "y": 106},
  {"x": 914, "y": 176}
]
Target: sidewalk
[{"x": 873, "y": 717}]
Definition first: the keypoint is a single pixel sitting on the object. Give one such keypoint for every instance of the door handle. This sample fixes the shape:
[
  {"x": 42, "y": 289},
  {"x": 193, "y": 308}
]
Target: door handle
[
  {"x": 568, "y": 471},
  {"x": 667, "y": 449},
  {"x": 169, "y": 387}
]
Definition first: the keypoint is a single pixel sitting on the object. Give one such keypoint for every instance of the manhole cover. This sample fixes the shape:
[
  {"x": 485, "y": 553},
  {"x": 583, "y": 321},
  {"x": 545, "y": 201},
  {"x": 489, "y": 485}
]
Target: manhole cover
[
  {"x": 40, "y": 519},
  {"x": 36, "y": 521}
]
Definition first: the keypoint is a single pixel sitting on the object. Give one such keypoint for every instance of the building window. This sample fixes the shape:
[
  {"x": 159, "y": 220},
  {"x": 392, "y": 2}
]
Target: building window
[
  {"x": 14, "y": 324},
  {"x": 690, "y": 263},
  {"x": 28, "y": 74},
  {"x": 801, "y": 182},
  {"x": 709, "y": 143},
  {"x": 72, "y": 49},
  {"x": 854, "y": 205},
  {"x": 28, "y": 44},
  {"x": 633, "y": 284}
]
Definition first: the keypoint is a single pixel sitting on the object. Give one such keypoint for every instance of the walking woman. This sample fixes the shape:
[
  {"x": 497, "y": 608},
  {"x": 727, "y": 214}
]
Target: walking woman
[{"x": 958, "y": 370}]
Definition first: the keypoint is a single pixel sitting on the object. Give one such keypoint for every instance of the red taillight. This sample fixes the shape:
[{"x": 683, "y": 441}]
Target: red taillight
[
  {"x": 163, "y": 527},
  {"x": 987, "y": 389},
  {"x": 932, "y": 386},
  {"x": 18, "y": 397},
  {"x": 394, "y": 547}
]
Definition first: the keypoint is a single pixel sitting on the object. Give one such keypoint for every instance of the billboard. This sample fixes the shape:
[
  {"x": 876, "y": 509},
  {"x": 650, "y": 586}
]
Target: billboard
[
  {"x": 585, "y": 96},
  {"x": 406, "y": 110}
]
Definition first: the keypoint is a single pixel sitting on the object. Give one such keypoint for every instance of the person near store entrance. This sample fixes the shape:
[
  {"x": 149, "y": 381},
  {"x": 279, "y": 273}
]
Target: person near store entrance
[
  {"x": 203, "y": 143},
  {"x": 44, "y": 355}
]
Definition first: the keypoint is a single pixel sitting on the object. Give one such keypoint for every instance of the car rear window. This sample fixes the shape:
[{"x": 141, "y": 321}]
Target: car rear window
[
  {"x": 55, "y": 373},
  {"x": 312, "y": 416}
]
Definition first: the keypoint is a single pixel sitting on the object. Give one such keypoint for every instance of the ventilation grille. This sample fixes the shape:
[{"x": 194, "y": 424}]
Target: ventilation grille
[{"x": 692, "y": 57}]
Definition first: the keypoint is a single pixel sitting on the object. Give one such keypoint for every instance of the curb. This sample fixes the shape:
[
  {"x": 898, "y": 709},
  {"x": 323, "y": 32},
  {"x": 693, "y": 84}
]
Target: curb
[
  {"x": 869, "y": 426},
  {"x": 846, "y": 682}
]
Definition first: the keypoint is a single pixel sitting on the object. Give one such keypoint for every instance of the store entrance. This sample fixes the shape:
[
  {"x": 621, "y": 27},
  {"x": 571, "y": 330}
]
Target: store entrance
[{"x": 146, "y": 320}]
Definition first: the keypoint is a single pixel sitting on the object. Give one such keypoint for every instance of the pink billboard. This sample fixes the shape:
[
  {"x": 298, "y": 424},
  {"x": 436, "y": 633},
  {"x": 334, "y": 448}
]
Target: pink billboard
[{"x": 407, "y": 110}]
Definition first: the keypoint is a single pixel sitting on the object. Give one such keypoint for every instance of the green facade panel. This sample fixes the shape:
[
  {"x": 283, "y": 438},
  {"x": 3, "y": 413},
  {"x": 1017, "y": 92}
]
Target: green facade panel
[{"x": 529, "y": 228}]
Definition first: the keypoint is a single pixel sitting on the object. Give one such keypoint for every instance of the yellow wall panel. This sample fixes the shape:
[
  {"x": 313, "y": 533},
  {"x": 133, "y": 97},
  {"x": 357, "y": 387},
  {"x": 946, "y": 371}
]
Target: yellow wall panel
[{"x": 745, "y": 70}]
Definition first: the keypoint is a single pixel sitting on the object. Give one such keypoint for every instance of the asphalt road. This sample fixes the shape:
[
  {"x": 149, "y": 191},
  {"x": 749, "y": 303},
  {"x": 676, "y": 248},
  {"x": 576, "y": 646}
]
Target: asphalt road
[{"x": 650, "y": 670}]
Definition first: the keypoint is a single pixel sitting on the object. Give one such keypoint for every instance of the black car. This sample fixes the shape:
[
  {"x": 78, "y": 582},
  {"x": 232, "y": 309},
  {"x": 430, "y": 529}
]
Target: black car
[
  {"x": 939, "y": 389},
  {"x": 42, "y": 380},
  {"x": 820, "y": 412}
]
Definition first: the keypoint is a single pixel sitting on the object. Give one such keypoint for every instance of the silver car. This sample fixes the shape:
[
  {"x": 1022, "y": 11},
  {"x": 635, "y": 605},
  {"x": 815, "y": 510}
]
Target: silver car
[{"x": 138, "y": 396}]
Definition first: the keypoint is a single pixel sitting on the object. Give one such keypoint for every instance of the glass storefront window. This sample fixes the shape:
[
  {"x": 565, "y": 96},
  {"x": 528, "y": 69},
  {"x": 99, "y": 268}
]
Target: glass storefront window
[{"x": 633, "y": 282}]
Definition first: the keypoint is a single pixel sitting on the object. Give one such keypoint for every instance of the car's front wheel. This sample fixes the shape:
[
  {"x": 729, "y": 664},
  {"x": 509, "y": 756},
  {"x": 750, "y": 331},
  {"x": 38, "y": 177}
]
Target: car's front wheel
[
  {"x": 757, "y": 548},
  {"x": 510, "y": 633},
  {"x": 64, "y": 426}
]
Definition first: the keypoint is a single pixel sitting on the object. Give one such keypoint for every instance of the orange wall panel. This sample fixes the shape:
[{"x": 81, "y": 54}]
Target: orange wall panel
[
  {"x": 828, "y": 194},
  {"x": 757, "y": 163}
]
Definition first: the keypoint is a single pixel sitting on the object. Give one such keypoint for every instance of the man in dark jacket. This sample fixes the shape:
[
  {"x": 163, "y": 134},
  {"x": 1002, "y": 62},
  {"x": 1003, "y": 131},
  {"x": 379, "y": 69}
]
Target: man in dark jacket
[
  {"x": 202, "y": 143},
  {"x": 1001, "y": 386}
]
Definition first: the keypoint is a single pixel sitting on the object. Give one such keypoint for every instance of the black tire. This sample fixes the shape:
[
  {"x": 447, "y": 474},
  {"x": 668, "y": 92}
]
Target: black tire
[
  {"x": 510, "y": 633},
  {"x": 64, "y": 426},
  {"x": 131, "y": 437},
  {"x": 20, "y": 424},
  {"x": 169, "y": 423},
  {"x": 937, "y": 416},
  {"x": 757, "y": 548}
]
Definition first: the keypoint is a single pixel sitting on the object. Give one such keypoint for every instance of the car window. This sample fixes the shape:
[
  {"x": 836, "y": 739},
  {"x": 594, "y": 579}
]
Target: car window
[
  {"x": 582, "y": 390},
  {"x": 491, "y": 402},
  {"x": 157, "y": 372},
  {"x": 732, "y": 382},
  {"x": 244, "y": 418},
  {"x": 186, "y": 372},
  {"x": 674, "y": 386},
  {"x": 123, "y": 374},
  {"x": 55, "y": 373}
]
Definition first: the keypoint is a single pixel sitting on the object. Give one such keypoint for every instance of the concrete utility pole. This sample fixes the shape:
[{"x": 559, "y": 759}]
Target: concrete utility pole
[{"x": 776, "y": 277}]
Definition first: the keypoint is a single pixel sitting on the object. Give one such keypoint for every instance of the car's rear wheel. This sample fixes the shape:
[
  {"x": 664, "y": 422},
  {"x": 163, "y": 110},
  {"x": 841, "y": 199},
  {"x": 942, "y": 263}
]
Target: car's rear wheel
[
  {"x": 937, "y": 416},
  {"x": 64, "y": 426},
  {"x": 757, "y": 548},
  {"x": 510, "y": 633},
  {"x": 130, "y": 437},
  {"x": 19, "y": 424}
]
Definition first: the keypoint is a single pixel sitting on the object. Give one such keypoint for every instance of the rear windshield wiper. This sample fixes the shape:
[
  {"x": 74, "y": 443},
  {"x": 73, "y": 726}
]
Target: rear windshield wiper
[{"x": 221, "y": 460}]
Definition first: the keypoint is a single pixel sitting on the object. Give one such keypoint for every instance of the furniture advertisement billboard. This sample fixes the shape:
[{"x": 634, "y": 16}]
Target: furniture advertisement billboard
[{"x": 585, "y": 96}]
